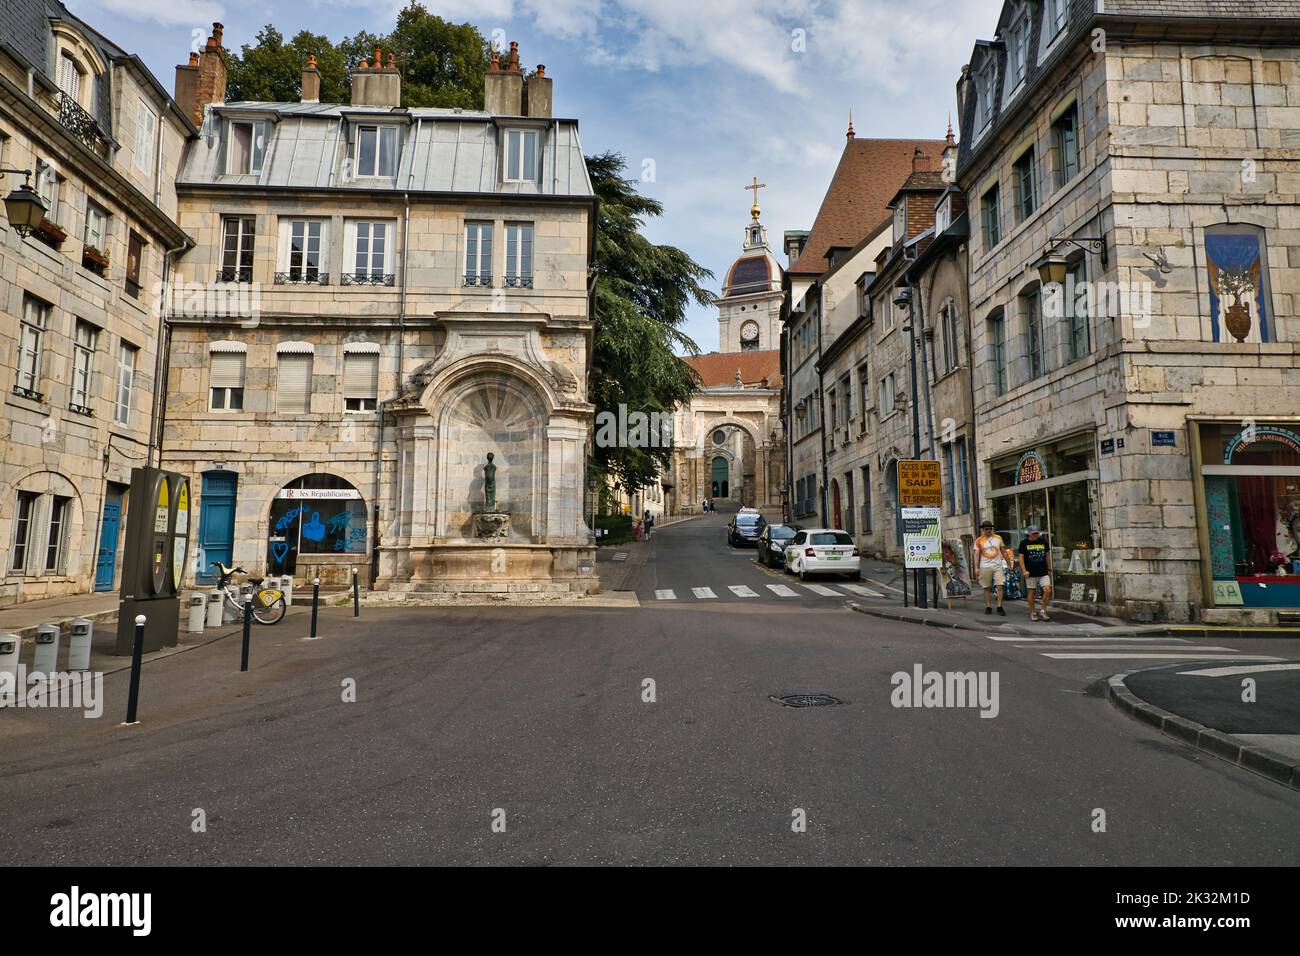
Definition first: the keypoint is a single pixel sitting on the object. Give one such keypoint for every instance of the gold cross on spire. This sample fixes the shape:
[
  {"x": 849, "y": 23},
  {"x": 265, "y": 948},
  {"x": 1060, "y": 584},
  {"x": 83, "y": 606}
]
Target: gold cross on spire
[{"x": 755, "y": 186}]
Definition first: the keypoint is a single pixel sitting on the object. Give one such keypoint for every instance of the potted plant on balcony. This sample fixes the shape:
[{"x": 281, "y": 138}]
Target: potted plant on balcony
[
  {"x": 1238, "y": 284},
  {"x": 50, "y": 232},
  {"x": 94, "y": 260}
]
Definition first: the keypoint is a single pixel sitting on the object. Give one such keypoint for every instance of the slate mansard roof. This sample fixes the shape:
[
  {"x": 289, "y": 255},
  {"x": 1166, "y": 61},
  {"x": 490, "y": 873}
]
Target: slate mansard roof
[{"x": 309, "y": 146}]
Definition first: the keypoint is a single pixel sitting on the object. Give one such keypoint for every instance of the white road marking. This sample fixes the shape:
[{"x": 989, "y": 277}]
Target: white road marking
[
  {"x": 823, "y": 590},
  {"x": 882, "y": 584},
  {"x": 781, "y": 590},
  {"x": 1234, "y": 671},
  {"x": 859, "y": 589},
  {"x": 1085, "y": 639},
  {"x": 621, "y": 556},
  {"x": 703, "y": 593},
  {"x": 741, "y": 590},
  {"x": 1171, "y": 657},
  {"x": 666, "y": 595},
  {"x": 1124, "y": 647}
]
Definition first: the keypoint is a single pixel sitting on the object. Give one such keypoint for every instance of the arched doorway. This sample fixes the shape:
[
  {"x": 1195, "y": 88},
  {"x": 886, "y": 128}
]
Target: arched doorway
[
  {"x": 720, "y": 478},
  {"x": 837, "y": 521},
  {"x": 312, "y": 516}
]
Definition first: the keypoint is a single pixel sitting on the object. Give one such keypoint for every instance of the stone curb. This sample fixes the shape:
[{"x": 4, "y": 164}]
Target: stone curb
[
  {"x": 920, "y": 617},
  {"x": 28, "y": 634},
  {"x": 1259, "y": 760}
]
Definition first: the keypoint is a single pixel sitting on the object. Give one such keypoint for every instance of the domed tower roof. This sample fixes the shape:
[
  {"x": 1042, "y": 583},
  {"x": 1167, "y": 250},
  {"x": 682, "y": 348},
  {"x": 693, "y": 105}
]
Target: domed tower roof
[{"x": 757, "y": 270}]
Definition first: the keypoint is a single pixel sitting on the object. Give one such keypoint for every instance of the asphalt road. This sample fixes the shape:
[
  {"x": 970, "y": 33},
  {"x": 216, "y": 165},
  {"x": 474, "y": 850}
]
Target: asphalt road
[{"x": 539, "y": 713}]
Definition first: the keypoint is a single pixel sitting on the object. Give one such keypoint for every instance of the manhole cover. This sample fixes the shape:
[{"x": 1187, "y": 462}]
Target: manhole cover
[{"x": 808, "y": 700}]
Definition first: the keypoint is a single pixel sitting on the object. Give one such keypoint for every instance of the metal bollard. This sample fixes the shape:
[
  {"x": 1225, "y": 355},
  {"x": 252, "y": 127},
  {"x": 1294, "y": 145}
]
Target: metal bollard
[
  {"x": 83, "y": 631},
  {"x": 137, "y": 652},
  {"x": 315, "y": 604},
  {"x": 216, "y": 598},
  {"x": 248, "y": 624},
  {"x": 47, "y": 650},
  {"x": 286, "y": 585},
  {"x": 10, "y": 644},
  {"x": 356, "y": 594},
  {"x": 198, "y": 612}
]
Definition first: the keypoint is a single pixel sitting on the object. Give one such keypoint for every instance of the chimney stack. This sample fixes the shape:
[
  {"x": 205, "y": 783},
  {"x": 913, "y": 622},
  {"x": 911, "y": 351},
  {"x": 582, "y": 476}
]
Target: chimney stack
[
  {"x": 202, "y": 81},
  {"x": 537, "y": 93},
  {"x": 374, "y": 84},
  {"x": 920, "y": 161},
  {"x": 503, "y": 85},
  {"x": 311, "y": 81}
]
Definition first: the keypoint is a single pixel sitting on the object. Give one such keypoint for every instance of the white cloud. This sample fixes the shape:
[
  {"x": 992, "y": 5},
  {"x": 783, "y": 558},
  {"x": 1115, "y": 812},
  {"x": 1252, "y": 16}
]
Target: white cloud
[{"x": 197, "y": 13}]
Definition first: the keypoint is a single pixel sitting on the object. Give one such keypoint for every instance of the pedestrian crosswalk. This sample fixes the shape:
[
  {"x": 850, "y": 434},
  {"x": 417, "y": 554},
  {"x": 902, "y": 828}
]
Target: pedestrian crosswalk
[{"x": 786, "y": 591}]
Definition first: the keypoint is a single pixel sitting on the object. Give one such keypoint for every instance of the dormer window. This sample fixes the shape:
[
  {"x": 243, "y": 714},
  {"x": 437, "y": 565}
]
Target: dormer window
[
  {"x": 1058, "y": 14},
  {"x": 900, "y": 220},
  {"x": 376, "y": 151},
  {"x": 984, "y": 95},
  {"x": 521, "y": 155},
  {"x": 70, "y": 77},
  {"x": 247, "y": 147},
  {"x": 943, "y": 215},
  {"x": 1020, "y": 51}
]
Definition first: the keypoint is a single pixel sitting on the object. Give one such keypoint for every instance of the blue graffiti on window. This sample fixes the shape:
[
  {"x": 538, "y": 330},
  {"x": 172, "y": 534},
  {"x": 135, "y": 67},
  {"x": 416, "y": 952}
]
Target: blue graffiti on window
[
  {"x": 289, "y": 518},
  {"x": 314, "y": 530}
]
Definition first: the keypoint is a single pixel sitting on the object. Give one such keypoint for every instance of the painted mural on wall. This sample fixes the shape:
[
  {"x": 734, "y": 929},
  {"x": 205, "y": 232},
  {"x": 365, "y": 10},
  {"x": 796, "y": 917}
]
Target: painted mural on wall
[{"x": 1238, "y": 309}]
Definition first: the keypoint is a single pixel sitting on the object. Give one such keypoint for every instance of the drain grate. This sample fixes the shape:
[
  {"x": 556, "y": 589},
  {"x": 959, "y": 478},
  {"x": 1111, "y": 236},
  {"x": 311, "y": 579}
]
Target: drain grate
[{"x": 808, "y": 700}]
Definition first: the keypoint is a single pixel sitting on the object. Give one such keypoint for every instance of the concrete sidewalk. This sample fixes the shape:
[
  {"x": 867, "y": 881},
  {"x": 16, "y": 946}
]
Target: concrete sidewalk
[{"x": 23, "y": 619}]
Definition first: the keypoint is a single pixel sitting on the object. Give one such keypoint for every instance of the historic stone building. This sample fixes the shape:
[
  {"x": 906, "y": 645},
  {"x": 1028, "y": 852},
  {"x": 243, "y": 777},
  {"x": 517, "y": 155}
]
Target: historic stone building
[
  {"x": 729, "y": 444},
  {"x": 99, "y": 140},
  {"x": 408, "y": 295},
  {"x": 1142, "y": 405},
  {"x": 823, "y": 299}
]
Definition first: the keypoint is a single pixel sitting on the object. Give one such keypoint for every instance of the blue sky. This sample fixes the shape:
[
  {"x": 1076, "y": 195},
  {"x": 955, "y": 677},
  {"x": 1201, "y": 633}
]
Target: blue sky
[{"x": 702, "y": 94}]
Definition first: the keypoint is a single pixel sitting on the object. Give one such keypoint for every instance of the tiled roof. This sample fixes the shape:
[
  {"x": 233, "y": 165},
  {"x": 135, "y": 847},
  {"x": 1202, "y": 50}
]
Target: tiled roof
[
  {"x": 718, "y": 369},
  {"x": 868, "y": 176}
]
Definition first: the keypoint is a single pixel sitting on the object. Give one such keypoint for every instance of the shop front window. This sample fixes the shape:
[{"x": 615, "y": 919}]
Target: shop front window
[
  {"x": 314, "y": 515},
  {"x": 1252, "y": 511}
]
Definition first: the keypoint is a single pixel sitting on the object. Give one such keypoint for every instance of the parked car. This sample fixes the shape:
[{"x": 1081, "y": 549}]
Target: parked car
[
  {"x": 822, "y": 551},
  {"x": 745, "y": 527},
  {"x": 772, "y": 542}
]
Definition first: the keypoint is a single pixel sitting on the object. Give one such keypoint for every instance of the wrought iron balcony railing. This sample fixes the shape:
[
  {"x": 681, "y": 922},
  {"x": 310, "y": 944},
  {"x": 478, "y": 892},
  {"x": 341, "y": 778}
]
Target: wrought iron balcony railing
[
  {"x": 235, "y": 275},
  {"x": 302, "y": 277},
  {"x": 519, "y": 282},
  {"x": 484, "y": 281},
  {"x": 367, "y": 278},
  {"x": 78, "y": 122}
]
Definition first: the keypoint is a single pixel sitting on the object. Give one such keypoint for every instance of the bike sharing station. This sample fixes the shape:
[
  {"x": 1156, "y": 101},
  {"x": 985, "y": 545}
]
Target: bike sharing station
[
  {"x": 157, "y": 541},
  {"x": 920, "y": 498}
]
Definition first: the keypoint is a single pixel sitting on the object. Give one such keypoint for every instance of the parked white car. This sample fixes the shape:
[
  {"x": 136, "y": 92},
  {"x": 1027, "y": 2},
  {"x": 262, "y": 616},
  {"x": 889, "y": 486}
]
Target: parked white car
[{"x": 823, "y": 551}]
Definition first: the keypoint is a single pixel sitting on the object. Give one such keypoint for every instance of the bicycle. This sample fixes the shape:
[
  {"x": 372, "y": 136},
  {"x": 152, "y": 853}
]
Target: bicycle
[{"x": 268, "y": 603}]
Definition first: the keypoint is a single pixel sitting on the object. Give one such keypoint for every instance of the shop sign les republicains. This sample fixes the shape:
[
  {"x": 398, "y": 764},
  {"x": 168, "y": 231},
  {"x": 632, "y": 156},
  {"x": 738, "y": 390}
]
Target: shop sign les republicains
[{"x": 318, "y": 494}]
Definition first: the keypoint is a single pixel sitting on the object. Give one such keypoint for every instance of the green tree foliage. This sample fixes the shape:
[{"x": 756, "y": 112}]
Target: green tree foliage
[
  {"x": 642, "y": 293},
  {"x": 442, "y": 63}
]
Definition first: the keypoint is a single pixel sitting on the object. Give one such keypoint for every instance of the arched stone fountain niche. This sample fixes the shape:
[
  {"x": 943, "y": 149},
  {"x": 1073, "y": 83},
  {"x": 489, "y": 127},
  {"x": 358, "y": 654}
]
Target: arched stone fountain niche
[{"x": 493, "y": 413}]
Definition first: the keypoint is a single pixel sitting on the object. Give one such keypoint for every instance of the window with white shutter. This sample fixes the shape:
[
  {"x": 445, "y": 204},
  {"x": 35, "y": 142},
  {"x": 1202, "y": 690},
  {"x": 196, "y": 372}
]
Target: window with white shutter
[
  {"x": 360, "y": 380},
  {"x": 227, "y": 377},
  {"x": 293, "y": 383},
  {"x": 146, "y": 132},
  {"x": 83, "y": 361},
  {"x": 125, "y": 383},
  {"x": 70, "y": 77}
]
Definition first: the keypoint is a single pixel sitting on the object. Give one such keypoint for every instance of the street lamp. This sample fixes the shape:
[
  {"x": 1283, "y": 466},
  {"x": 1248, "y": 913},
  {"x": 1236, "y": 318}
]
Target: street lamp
[
  {"x": 801, "y": 410},
  {"x": 23, "y": 206},
  {"x": 1053, "y": 267}
]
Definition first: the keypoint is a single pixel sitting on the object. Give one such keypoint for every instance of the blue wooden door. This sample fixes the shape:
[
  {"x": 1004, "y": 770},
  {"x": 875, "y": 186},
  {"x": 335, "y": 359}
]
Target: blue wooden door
[
  {"x": 106, "y": 559},
  {"x": 216, "y": 522}
]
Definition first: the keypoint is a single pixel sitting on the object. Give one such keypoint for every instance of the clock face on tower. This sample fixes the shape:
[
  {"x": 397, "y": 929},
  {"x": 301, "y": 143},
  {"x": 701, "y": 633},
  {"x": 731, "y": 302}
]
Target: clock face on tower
[{"x": 749, "y": 335}]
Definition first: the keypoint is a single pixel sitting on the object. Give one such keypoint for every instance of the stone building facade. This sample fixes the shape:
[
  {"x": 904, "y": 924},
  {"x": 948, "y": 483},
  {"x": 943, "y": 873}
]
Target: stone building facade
[
  {"x": 1154, "y": 164},
  {"x": 728, "y": 437},
  {"x": 411, "y": 295},
  {"x": 101, "y": 139}
]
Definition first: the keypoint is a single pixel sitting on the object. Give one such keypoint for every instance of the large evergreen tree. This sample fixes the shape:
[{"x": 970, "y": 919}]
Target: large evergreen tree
[
  {"x": 442, "y": 63},
  {"x": 642, "y": 293}
]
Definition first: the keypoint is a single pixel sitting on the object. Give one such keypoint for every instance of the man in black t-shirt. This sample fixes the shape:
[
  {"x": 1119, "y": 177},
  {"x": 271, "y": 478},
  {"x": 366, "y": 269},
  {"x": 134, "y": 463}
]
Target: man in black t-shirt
[{"x": 1036, "y": 568}]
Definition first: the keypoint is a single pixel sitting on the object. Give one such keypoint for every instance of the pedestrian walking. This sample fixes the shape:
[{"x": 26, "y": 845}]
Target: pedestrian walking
[
  {"x": 649, "y": 524},
  {"x": 704, "y": 506},
  {"x": 991, "y": 563},
  {"x": 1036, "y": 566}
]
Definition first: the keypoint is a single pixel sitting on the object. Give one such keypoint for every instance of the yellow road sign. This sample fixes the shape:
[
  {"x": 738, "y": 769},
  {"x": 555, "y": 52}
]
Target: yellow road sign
[{"x": 919, "y": 483}]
